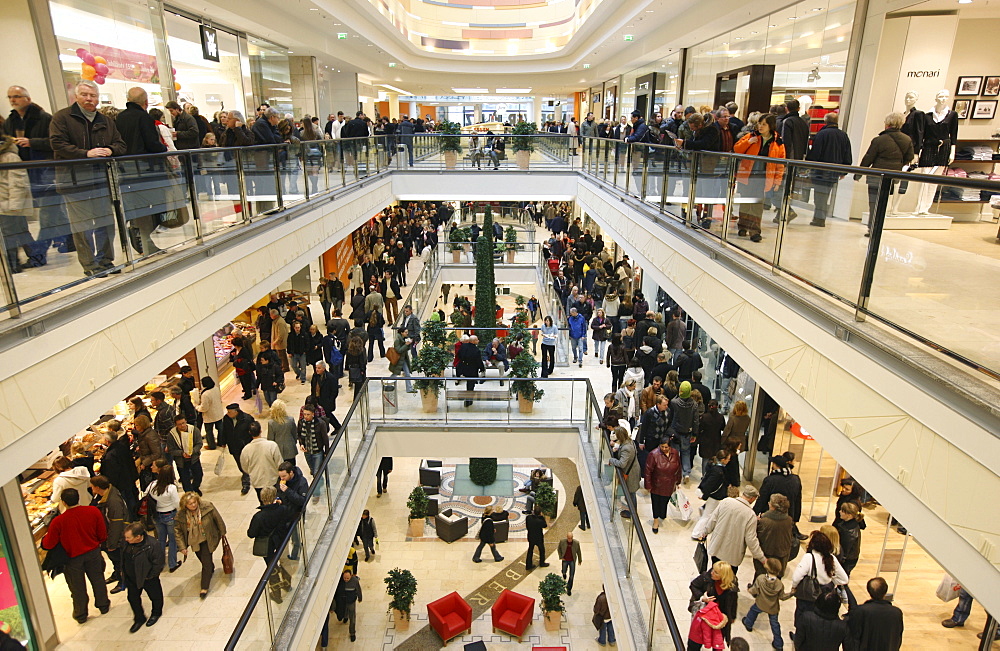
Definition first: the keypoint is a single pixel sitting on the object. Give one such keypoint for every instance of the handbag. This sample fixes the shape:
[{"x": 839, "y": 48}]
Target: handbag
[
  {"x": 392, "y": 355},
  {"x": 809, "y": 587},
  {"x": 261, "y": 545},
  {"x": 948, "y": 588},
  {"x": 701, "y": 557},
  {"x": 227, "y": 556},
  {"x": 145, "y": 514},
  {"x": 354, "y": 375},
  {"x": 597, "y": 621},
  {"x": 220, "y": 464}
]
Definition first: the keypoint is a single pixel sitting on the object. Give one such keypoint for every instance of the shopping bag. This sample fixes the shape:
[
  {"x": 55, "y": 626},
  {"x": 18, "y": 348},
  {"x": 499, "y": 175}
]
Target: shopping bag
[
  {"x": 227, "y": 556},
  {"x": 258, "y": 403},
  {"x": 220, "y": 464},
  {"x": 680, "y": 507},
  {"x": 948, "y": 588},
  {"x": 701, "y": 557}
]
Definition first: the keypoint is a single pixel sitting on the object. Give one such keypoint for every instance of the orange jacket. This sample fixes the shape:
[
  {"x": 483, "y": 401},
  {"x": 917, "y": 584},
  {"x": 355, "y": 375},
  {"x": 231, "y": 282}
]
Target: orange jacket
[{"x": 773, "y": 172}]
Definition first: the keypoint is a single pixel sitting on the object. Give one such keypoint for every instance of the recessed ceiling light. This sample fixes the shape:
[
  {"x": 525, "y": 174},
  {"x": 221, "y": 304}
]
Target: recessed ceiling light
[
  {"x": 507, "y": 91},
  {"x": 965, "y": 2},
  {"x": 313, "y": 9},
  {"x": 792, "y": 17},
  {"x": 753, "y": 33},
  {"x": 471, "y": 91}
]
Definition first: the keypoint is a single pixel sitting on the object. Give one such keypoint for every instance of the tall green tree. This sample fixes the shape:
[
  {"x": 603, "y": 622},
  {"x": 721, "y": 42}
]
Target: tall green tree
[{"x": 486, "y": 314}]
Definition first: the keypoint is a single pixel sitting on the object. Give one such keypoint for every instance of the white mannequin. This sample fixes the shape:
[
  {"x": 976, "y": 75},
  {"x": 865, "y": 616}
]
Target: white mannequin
[
  {"x": 909, "y": 101},
  {"x": 927, "y": 190},
  {"x": 805, "y": 103}
]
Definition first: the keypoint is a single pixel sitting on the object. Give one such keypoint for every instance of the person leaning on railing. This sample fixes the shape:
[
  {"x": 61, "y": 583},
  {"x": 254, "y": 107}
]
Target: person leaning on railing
[
  {"x": 757, "y": 176},
  {"x": 889, "y": 150}
]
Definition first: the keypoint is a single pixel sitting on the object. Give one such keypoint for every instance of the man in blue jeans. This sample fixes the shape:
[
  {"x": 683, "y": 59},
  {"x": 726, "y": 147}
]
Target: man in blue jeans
[
  {"x": 577, "y": 335},
  {"x": 962, "y": 612},
  {"x": 569, "y": 554},
  {"x": 314, "y": 440}
]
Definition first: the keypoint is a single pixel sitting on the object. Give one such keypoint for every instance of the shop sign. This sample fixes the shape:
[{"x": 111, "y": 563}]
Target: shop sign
[
  {"x": 209, "y": 43},
  {"x": 923, "y": 73},
  {"x": 129, "y": 66}
]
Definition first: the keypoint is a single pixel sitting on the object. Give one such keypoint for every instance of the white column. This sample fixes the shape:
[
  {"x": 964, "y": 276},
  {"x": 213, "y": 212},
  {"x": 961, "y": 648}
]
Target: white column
[
  {"x": 478, "y": 113},
  {"x": 393, "y": 105},
  {"x": 536, "y": 111},
  {"x": 413, "y": 110}
]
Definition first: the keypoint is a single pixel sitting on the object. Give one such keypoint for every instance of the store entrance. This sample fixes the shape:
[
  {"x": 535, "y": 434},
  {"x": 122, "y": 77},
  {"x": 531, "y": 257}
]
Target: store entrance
[{"x": 749, "y": 87}]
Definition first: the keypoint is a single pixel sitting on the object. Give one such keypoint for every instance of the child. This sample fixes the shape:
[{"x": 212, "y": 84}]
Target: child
[{"x": 767, "y": 590}]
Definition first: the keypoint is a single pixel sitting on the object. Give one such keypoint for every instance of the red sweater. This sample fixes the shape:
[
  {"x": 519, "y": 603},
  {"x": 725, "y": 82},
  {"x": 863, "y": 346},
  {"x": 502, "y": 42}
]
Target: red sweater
[{"x": 79, "y": 530}]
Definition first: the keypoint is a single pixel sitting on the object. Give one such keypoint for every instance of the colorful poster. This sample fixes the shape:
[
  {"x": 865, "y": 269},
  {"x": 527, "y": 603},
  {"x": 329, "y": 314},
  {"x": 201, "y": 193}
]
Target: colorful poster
[
  {"x": 128, "y": 66},
  {"x": 8, "y": 597},
  {"x": 339, "y": 259}
]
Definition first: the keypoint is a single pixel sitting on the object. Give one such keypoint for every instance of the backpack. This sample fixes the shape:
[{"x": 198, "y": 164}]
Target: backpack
[{"x": 336, "y": 362}]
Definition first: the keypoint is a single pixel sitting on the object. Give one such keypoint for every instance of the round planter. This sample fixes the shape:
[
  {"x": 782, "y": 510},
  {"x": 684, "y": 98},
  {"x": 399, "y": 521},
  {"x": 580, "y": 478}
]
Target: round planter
[
  {"x": 401, "y": 620},
  {"x": 510, "y": 256},
  {"x": 524, "y": 405},
  {"x": 428, "y": 401},
  {"x": 523, "y": 159},
  {"x": 552, "y": 620},
  {"x": 416, "y": 528},
  {"x": 450, "y": 160}
]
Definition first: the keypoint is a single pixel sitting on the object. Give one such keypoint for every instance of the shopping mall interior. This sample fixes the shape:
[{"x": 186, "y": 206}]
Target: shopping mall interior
[{"x": 534, "y": 174}]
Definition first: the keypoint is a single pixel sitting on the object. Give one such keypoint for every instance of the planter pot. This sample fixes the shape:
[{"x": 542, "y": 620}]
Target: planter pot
[
  {"x": 523, "y": 159},
  {"x": 401, "y": 620},
  {"x": 416, "y": 528},
  {"x": 552, "y": 620},
  {"x": 456, "y": 256},
  {"x": 524, "y": 405},
  {"x": 510, "y": 256},
  {"x": 428, "y": 401},
  {"x": 450, "y": 160},
  {"x": 467, "y": 247}
]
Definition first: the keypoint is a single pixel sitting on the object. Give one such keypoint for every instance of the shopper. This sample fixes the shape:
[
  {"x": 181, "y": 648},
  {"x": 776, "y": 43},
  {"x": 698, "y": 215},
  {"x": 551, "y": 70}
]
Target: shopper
[
  {"x": 325, "y": 389},
  {"x": 889, "y": 150},
  {"x": 269, "y": 527},
  {"x": 148, "y": 447},
  {"x": 487, "y": 536},
  {"x": 624, "y": 457},
  {"x": 577, "y": 335},
  {"x": 281, "y": 430},
  {"x": 821, "y": 628},
  {"x": 292, "y": 488},
  {"x": 402, "y": 345},
  {"x": 348, "y": 595},
  {"x": 781, "y": 480},
  {"x": 184, "y": 447},
  {"x": 209, "y": 404},
  {"x": 260, "y": 458},
  {"x": 876, "y": 624},
  {"x": 200, "y": 527},
  {"x": 242, "y": 360},
  {"x": 163, "y": 493},
  {"x": 717, "y": 585},
  {"x": 80, "y": 531},
  {"x": 314, "y": 441},
  {"x": 776, "y": 534},
  {"x": 602, "y": 620},
  {"x": 734, "y": 529},
  {"x": 550, "y": 333},
  {"x": 580, "y": 502},
  {"x": 376, "y": 334},
  {"x": 823, "y": 568},
  {"x": 738, "y": 424},
  {"x": 368, "y": 534},
  {"x": 356, "y": 363},
  {"x": 617, "y": 361},
  {"x": 569, "y": 554},
  {"x": 710, "y": 435},
  {"x": 270, "y": 379},
  {"x": 69, "y": 476},
  {"x": 662, "y": 475},
  {"x": 829, "y": 145},
  {"x": 163, "y": 422},
  {"x": 298, "y": 345},
  {"x": 535, "y": 524},
  {"x": 234, "y": 434},
  {"x": 118, "y": 466},
  {"x": 142, "y": 563},
  {"x": 382, "y": 475},
  {"x": 111, "y": 505},
  {"x": 757, "y": 177},
  {"x": 767, "y": 590},
  {"x": 849, "y": 527},
  {"x": 682, "y": 428}
]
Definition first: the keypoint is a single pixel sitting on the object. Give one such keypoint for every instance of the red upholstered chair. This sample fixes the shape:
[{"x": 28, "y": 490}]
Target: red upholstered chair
[
  {"x": 450, "y": 616},
  {"x": 512, "y": 613}
]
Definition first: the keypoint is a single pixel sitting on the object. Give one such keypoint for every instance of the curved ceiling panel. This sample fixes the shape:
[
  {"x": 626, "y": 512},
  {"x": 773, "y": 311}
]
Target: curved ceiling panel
[{"x": 487, "y": 27}]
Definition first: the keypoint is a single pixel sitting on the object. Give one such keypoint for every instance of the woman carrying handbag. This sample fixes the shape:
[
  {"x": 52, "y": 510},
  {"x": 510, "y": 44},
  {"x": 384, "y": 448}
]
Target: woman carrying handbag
[{"x": 199, "y": 525}]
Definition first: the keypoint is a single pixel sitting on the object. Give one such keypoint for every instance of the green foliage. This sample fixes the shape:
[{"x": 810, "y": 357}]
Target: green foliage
[
  {"x": 459, "y": 236},
  {"x": 417, "y": 503},
  {"x": 520, "y": 300},
  {"x": 524, "y": 366},
  {"x": 522, "y": 136},
  {"x": 402, "y": 587},
  {"x": 483, "y": 472},
  {"x": 546, "y": 499},
  {"x": 552, "y": 587},
  {"x": 510, "y": 237},
  {"x": 452, "y": 141},
  {"x": 486, "y": 315},
  {"x": 433, "y": 358}
]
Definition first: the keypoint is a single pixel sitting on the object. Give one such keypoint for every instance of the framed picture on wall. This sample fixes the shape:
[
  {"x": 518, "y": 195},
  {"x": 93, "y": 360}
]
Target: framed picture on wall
[
  {"x": 992, "y": 86},
  {"x": 969, "y": 85},
  {"x": 961, "y": 107},
  {"x": 984, "y": 109}
]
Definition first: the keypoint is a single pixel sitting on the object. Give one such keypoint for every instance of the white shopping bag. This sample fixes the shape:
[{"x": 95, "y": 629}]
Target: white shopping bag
[
  {"x": 680, "y": 507},
  {"x": 948, "y": 588},
  {"x": 220, "y": 464}
]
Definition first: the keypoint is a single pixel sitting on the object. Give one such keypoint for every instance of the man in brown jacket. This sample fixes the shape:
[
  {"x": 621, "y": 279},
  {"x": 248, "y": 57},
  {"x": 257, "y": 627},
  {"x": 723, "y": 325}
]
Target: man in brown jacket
[
  {"x": 647, "y": 397},
  {"x": 775, "y": 532},
  {"x": 279, "y": 338},
  {"x": 79, "y": 131}
]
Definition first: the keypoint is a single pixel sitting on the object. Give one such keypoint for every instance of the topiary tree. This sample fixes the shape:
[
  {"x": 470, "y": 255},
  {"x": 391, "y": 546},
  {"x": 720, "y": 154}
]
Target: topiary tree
[
  {"x": 402, "y": 587},
  {"x": 552, "y": 588},
  {"x": 486, "y": 313},
  {"x": 433, "y": 358},
  {"x": 417, "y": 503},
  {"x": 546, "y": 500},
  {"x": 483, "y": 472}
]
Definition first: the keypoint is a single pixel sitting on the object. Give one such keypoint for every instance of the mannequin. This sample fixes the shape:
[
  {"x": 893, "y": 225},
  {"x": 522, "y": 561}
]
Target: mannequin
[
  {"x": 913, "y": 127},
  {"x": 805, "y": 103},
  {"x": 938, "y": 147}
]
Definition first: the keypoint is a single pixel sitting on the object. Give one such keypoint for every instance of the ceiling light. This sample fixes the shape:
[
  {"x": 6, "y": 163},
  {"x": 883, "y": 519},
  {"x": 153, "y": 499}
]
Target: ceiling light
[
  {"x": 965, "y": 2},
  {"x": 471, "y": 91},
  {"x": 313, "y": 9},
  {"x": 508, "y": 91},
  {"x": 753, "y": 33}
]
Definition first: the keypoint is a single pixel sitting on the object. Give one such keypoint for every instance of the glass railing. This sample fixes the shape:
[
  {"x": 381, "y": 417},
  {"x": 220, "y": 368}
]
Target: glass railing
[
  {"x": 519, "y": 253},
  {"x": 568, "y": 402},
  {"x": 872, "y": 239},
  {"x": 99, "y": 217},
  {"x": 481, "y": 152}
]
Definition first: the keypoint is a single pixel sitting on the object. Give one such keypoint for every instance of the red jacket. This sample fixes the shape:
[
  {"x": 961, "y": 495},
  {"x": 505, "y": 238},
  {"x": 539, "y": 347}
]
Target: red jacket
[
  {"x": 663, "y": 472},
  {"x": 79, "y": 530},
  {"x": 707, "y": 625}
]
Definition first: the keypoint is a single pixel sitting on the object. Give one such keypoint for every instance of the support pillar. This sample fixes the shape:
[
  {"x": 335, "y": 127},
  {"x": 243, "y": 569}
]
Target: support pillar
[
  {"x": 478, "y": 108},
  {"x": 393, "y": 105}
]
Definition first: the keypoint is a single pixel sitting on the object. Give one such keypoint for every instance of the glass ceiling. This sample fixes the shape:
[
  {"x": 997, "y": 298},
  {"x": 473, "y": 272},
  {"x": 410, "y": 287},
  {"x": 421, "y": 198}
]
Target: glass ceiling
[{"x": 487, "y": 27}]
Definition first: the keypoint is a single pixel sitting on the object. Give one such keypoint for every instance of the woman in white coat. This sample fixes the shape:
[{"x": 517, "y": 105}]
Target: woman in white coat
[{"x": 209, "y": 404}]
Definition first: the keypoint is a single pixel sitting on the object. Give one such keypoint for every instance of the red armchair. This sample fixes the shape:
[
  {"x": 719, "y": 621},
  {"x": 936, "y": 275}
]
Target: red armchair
[
  {"x": 512, "y": 613},
  {"x": 450, "y": 616}
]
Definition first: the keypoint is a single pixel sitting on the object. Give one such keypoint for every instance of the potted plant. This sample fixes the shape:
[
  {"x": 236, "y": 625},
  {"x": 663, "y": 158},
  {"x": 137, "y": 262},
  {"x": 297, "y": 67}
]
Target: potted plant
[
  {"x": 524, "y": 366},
  {"x": 483, "y": 472},
  {"x": 510, "y": 237},
  {"x": 432, "y": 360},
  {"x": 458, "y": 236},
  {"x": 547, "y": 499},
  {"x": 417, "y": 503},
  {"x": 552, "y": 587},
  {"x": 451, "y": 143},
  {"x": 522, "y": 142},
  {"x": 485, "y": 318},
  {"x": 402, "y": 587}
]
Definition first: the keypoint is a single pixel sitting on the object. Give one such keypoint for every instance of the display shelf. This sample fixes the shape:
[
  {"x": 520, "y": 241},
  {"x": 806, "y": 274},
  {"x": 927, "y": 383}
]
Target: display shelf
[{"x": 960, "y": 201}]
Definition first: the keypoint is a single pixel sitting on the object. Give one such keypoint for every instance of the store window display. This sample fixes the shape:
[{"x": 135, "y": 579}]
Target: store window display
[{"x": 937, "y": 149}]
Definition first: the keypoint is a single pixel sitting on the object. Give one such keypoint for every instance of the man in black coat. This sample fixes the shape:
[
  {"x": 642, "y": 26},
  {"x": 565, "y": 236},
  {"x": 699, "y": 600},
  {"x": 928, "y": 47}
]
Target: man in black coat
[
  {"x": 784, "y": 482},
  {"x": 118, "y": 466},
  {"x": 141, "y": 136},
  {"x": 325, "y": 389},
  {"x": 272, "y": 521},
  {"x": 830, "y": 145},
  {"x": 877, "y": 624},
  {"x": 696, "y": 385},
  {"x": 142, "y": 562},
  {"x": 470, "y": 363},
  {"x": 536, "y": 524},
  {"x": 235, "y": 434},
  {"x": 292, "y": 487},
  {"x": 688, "y": 362},
  {"x": 487, "y": 536}
]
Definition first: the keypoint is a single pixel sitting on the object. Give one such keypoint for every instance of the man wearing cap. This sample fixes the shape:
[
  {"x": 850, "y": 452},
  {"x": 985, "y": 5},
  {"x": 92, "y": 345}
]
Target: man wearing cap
[
  {"x": 734, "y": 528},
  {"x": 683, "y": 426},
  {"x": 185, "y": 128},
  {"x": 234, "y": 434},
  {"x": 781, "y": 480}
]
